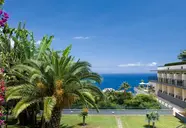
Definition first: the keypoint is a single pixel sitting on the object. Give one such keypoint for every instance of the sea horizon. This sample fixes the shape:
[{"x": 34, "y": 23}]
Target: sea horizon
[
  {"x": 114, "y": 81},
  {"x": 128, "y": 73}
]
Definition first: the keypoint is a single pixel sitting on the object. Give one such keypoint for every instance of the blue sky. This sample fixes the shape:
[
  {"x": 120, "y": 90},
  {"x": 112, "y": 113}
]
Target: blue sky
[{"x": 115, "y": 36}]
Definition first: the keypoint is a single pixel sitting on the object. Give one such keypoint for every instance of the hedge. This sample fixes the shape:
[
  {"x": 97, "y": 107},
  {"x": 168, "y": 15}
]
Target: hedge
[{"x": 175, "y": 63}]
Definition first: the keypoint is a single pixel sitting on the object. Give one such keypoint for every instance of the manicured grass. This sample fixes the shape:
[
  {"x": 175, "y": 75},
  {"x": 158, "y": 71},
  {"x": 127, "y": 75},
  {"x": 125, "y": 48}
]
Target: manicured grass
[
  {"x": 141, "y": 122},
  {"x": 109, "y": 121},
  {"x": 93, "y": 121}
]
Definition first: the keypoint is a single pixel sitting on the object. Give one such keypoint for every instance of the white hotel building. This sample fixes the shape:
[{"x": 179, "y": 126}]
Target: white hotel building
[{"x": 170, "y": 84}]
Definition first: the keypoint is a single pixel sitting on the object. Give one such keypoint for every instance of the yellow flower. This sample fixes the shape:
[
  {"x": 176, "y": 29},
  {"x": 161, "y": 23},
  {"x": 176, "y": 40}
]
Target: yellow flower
[
  {"x": 59, "y": 92},
  {"x": 85, "y": 110},
  {"x": 59, "y": 84},
  {"x": 40, "y": 85}
]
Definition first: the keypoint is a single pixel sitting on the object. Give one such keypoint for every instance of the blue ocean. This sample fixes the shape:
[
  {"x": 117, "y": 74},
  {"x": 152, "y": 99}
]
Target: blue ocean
[{"x": 114, "y": 80}]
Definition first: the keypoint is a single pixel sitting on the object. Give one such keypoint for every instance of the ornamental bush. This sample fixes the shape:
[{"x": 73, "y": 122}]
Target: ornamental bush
[{"x": 2, "y": 99}]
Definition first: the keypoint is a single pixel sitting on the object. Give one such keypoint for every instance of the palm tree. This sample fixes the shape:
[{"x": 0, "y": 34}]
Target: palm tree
[
  {"x": 111, "y": 95},
  {"x": 84, "y": 113},
  {"x": 182, "y": 56},
  {"x": 56, "y": 81},
  {"x": 153, "y": 116},
  {"x": 16, "y": 46},
  {"x": 124, "y": 86}
]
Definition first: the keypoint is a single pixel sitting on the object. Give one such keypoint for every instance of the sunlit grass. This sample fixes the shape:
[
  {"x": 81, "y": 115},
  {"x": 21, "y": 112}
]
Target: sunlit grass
[
  {"x": 141, "y": 122},
  {"x": 93, "y": 121}
]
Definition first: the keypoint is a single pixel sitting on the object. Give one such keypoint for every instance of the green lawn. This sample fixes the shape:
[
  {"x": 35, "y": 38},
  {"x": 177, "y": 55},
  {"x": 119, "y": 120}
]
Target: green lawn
[
  {"x": 109, "y": 121},
  {"x": 141, "y": 122},
  {"x": 96, "y": 121}
]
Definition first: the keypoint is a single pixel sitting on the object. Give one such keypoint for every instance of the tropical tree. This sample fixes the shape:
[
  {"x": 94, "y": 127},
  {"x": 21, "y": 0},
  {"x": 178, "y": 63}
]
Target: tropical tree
[
  {"x": 124, "y": 86},
  {"x": 84, "y": 113},
  {"x": 152, "y": 116},
  {"x": 182, "y": 56},
  {"x": 16, "y": 46},
  {"x": 110, "y": 95},
  {"x": 55, "y": 80}
]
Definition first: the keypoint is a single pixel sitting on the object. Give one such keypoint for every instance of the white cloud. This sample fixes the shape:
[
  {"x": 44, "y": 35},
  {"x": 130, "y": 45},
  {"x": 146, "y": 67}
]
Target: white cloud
[
  {"x": 138, "y": 64},
  {"x": 38, "y": 42},
  {"x": 81, "y": 37},
  {"x": 130, "y": 65},
  {"x": 152, "y": 64}
]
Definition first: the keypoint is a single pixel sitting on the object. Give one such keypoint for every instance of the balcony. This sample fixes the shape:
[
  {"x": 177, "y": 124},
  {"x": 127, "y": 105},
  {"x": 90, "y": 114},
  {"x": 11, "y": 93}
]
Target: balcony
[
  {"x": 169, "y": 82},
  {"x": 180, "y": 82},
  {"x": 178, "y": 100}
]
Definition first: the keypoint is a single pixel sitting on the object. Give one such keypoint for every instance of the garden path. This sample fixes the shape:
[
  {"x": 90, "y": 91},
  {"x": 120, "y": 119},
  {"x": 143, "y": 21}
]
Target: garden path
[{"x": 118, "y": 120}]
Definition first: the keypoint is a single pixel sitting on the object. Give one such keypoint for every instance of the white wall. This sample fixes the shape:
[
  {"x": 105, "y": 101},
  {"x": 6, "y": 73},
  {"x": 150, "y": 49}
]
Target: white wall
[
  {"x": 172, "y": 67},
  {"x": 179, "y": 76},
  {"x": 170, "y": 76}
]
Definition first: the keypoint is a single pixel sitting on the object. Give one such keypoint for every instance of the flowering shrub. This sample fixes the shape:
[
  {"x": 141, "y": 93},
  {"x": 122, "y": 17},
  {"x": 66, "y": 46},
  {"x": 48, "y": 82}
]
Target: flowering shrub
[
  {"x": 3, "y": 15},
  {"x": 3, "y": 18},
  {"x": 2, "y": 99}
]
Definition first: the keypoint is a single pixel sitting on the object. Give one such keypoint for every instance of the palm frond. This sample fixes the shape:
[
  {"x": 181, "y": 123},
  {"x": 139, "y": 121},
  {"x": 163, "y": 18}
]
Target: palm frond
[
  {"x": 49, "y": 104},
  {"x": 11, "y": 91},
  {"x": 22, "y": 105},
  {"x": 93, "y": 76},
  {"x": 90, "y": 99}
]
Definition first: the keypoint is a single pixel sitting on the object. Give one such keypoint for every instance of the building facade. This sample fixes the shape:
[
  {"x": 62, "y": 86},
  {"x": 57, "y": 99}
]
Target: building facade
[{"x": 170, "y": 84}]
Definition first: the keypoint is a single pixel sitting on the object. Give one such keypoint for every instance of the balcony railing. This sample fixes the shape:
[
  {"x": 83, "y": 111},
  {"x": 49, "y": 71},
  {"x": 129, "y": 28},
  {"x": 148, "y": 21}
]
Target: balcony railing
[
  {"x": 180, "y": 82},
  {"x": 175, "y": 100},
  {"x": 172, "y": 82}
]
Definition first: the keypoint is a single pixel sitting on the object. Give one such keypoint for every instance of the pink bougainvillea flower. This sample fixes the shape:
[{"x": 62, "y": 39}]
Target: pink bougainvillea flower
[
  {"x": 1, "y": 22},
  {"x": 1, "y": 98},
  {"x": 2, "y": 88},
  {"x": 2, "y": 25},
  {"x": 1, "y": 114},
  {"x": 4, "y": 20},
  {"x": 2, "y": 83},
  {"x": 2, "y": 70},
  {"x": 2, "y": 122},
  {"x": 6, "y": 15},
  {"x": 1, "y": 12}
]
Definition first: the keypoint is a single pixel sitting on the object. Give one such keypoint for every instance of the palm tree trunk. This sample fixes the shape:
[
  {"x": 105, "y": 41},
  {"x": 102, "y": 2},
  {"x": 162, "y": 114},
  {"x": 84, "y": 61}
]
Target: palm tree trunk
[
  {"x": 42, "y": 122},
  {"x": 83, "y": 120},
  {"x": 55, "y": 119},
  {"x": 149, "y": 123},
  {"x": 153, "y": 124}
]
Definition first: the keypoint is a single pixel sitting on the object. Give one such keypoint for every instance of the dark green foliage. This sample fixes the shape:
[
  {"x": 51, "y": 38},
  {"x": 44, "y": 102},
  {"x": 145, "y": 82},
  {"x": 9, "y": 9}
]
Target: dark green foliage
[
  {"x": 143, "y": 101},
  {"x": 118, "y": 100},
  {"x": 175, "y": 63},
  {"x": 107, "y": 105},
  {"x": 152, "y": 117},
  {"x": 2, "y": 2},
  {"x": 182, "y": 56}
]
